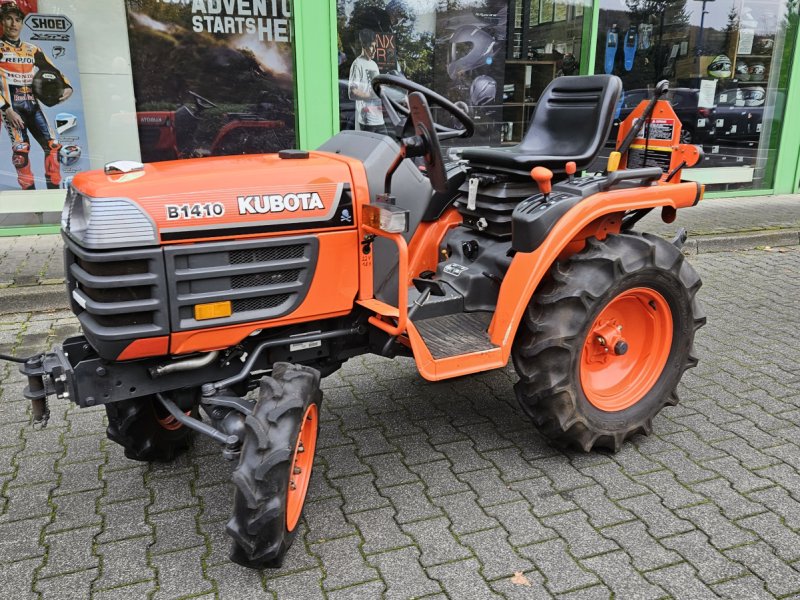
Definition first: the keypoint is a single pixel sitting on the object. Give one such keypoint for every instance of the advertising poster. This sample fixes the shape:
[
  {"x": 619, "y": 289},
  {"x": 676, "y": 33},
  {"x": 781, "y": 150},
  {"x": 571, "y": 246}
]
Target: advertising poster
[
  {"x": 45, "y": 142},
  {"x": 458, "y": 53},
  {"x": 212, "y": 77}
]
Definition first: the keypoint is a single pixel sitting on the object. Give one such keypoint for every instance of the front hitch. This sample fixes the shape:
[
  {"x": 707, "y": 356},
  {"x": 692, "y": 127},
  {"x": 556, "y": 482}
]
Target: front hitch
[{"x": 49, "y": 374}]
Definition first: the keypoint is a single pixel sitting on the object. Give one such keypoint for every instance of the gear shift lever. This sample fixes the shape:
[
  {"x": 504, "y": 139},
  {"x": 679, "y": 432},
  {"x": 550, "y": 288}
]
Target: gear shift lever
[{"x": 543, "y": 178}]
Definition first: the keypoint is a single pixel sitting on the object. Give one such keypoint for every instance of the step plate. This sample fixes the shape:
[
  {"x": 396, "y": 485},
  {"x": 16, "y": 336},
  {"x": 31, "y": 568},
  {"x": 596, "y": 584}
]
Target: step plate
[{"x": 453, "y": 335}]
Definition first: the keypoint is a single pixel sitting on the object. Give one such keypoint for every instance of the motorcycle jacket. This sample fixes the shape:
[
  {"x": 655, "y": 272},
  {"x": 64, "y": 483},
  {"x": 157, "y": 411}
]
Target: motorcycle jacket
[{"x": 18, "y": 64}]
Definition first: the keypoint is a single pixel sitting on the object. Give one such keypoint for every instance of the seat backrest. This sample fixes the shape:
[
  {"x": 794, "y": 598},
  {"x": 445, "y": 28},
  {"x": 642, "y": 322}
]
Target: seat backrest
[{"x": 573, "y": 118}]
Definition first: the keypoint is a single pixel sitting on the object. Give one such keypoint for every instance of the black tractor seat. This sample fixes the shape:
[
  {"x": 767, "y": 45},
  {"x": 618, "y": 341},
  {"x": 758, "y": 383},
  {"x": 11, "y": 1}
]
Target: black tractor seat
[{"x": 571, "y": 122}]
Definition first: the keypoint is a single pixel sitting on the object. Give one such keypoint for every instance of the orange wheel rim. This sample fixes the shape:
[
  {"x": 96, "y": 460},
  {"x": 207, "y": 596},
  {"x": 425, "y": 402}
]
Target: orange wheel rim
[
  {"x": 626, "y": 349},
  {"x": 169, "y": 422},
  {"x": 302, "y": 462}
]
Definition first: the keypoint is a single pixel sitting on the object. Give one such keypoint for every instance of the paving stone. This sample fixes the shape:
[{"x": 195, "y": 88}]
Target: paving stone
[
  {"x": 768, "y": 526},
  {"x": 489, "y": 487},
  {"x": 33, "y": 470},
  {"x": 754, "y": 436},
  {"x": 672, "y": 494},
  {"x": 362, "y": 591},
  {"x": 680, "y": 581},
  {"x": 235, "y": 581},
  {"x": 616, "y": 484},
  {"x": 326, "y": 520},
  {"x": 616, "y": 572},
  {"x": 711, "y": 565},
  {"x": 75, "y": 510},
  {"x": 544, "y": 500},
  {"x": 175, "y": 530},
  {"x": 67, "y": 587},
  {"x": 436, "y": 542},
  {"x": 645, "y": 552},
  {"x": 733, "y": 504},
  {"x": 17, "y": 577},
  {"x": 561, "y": 571},
  {"x": 342, "y": 563},
  {"x": 70, "y": 551},
  {"x": 496, "y": 555},
  {"x": 697, "y": 449},
  {"x": 124, "y": 563},
  {"x": 779, "y": 502},
  {"x": 411, "y": 503},
  {"x": 511, "y": 465},
  {"x": 180, "y": 574},
  {"x": 359, "y": 493},
  {"x": 123, "y": 520},
  {"x": 440, "y": 431},
  {"x": 601, "y": 511},
  {"x": 465, "y": 515},
  {"x": 389, "y": 470},
  {"x": 660, "y": 521},
  {"x": 521, "y": 526},
  {"x": 462, "y": 580},
  {"x": 750, "y": 587},
  {"x": 125, "y": 485},
  {"x": 741, "y": 479},
  {"x": 685, "y": 469},
  {"x": 485, "y": 437},
  {"x": 463, "y": 457},
  {"x": 746, "y": 454},
  {"x": 563, "y": 475},
  {"x": 306, "y": 585},
  {"x": 342, "y": 461},
  {"x": 632, "y": 462},
  {"x": 171, "y": 493},
  {"x": 722, "y": 532},
  {"x": 595, "y": 592},
  {"x": 216, "y": 501},
  {"x": 439, "y": 478},
  {"x": 582, "y": 539},
  {"x": 26, "y": 502},
  {"x": 403, "y": 574},
  {"x": 703, "y": 427},
  {"x": 780, "y": 578},
  {"x": 379, "y": 530},
  {"x": 372, "y": 441}
]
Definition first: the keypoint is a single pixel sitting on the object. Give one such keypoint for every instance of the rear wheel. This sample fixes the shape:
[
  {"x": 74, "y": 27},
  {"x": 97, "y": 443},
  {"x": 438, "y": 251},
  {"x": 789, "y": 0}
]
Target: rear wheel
[
  {"x": 275, "y": 466},
  {"x": 604, "y": 343},
  {"x": 147, "y": 432}
]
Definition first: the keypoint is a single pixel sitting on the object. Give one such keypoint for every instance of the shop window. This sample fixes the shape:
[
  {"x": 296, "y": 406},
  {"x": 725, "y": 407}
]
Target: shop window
[{"x": 727, "y": 62}]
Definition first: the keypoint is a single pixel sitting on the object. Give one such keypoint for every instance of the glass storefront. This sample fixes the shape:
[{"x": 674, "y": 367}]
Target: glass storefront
[{"x": 727, "y": 62}]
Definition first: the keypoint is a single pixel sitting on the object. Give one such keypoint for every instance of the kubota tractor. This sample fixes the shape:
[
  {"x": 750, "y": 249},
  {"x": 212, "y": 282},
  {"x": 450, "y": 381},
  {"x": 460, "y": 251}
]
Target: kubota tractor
[{"x": 199, "y": 281}]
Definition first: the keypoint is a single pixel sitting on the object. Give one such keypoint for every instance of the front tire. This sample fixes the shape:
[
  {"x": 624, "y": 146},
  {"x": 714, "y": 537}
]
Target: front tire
[
  {"x": 275, "y": 466},
  {"x": 147, "y": 432},
  {"x": 605, "y": 341}
]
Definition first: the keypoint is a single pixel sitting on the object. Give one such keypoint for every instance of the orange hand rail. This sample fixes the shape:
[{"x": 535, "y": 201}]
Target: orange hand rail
[{"x": 402, "y": 288}]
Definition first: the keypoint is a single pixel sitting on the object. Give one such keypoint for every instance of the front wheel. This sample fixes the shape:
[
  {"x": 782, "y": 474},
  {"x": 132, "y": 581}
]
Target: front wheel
[
  {"x": 605, "y": 341},
  {"x": 275, "y": 466}
]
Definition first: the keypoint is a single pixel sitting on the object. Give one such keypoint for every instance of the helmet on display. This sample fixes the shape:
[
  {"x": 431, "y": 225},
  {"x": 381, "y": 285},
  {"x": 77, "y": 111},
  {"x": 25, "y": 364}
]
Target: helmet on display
[
  {"x": 569, "y": 63},
  {"x": 742, "y": 71},
  {"x": 757, "y": 71},
  {"x": 69, "y": 155},
  {"x": 482, "y": 91},
  {"x": 754, "y": 96},
  {"x": 48, "y": 86},
  {"x": 470, "y": 48},
  {"x": 720, "y": 67},
  {"x": 65, "y": 122}
]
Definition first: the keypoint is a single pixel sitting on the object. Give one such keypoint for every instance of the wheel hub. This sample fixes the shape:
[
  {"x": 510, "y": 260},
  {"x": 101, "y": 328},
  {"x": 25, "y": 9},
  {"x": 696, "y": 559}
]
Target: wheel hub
[
  {"x": 302, "y": 463},
  {"x": 626, "y": 349}
]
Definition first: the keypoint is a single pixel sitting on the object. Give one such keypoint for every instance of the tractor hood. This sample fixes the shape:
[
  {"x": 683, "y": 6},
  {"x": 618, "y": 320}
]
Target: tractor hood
[{"x": 210, "y": 198}]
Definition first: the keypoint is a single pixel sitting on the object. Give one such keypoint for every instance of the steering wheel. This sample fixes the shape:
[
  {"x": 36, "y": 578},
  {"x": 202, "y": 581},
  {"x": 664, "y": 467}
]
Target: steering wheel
[{"x": 394, "y": 107}]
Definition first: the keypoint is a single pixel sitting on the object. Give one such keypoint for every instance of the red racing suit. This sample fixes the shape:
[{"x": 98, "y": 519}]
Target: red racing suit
[{"x": 18, "y": 63}]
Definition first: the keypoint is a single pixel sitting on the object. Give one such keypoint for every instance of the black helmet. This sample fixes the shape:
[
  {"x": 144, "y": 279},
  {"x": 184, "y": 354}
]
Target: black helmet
[
  {"x": 470, "y": 48},
  {"x": 482, "y": 91},
  {"x": 48, "y": 86}
]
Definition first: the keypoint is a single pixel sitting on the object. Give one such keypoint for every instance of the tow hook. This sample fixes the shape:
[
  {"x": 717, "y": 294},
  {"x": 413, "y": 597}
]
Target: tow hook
[{"x": 35, "y": 391}]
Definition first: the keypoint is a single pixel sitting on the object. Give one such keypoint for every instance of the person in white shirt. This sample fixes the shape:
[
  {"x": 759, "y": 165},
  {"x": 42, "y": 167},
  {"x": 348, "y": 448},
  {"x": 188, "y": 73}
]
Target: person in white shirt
[{"x": 369, "y": 111}]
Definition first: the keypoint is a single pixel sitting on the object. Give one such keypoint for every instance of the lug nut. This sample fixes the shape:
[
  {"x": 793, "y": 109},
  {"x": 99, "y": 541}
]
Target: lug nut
[
  {"x": 620, "y": 348},
  {"x": 297, "y": 470}
]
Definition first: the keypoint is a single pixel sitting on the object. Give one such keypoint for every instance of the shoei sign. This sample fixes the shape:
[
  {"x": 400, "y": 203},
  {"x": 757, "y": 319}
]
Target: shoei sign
[{"x": 48, "y": 26}]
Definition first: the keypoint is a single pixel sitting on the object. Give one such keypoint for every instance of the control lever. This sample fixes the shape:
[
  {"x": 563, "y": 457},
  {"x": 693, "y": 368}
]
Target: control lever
[
  {"x": 570, "y": 168},
  {"x": 544, "y": 179}
]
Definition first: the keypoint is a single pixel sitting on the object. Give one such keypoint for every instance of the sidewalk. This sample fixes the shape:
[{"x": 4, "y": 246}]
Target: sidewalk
[{"x": 32, "y": 270}]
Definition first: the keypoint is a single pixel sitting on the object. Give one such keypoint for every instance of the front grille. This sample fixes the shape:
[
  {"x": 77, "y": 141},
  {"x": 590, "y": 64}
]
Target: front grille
[
  {"x": 263, "y": 279},
  {"x": 117, "y": 295}
]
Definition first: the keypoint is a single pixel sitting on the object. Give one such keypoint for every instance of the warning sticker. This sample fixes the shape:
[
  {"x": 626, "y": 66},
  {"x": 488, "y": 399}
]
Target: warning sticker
[
  {"x": 659, "y": 129},
  {"x": 652, "y": 156}
]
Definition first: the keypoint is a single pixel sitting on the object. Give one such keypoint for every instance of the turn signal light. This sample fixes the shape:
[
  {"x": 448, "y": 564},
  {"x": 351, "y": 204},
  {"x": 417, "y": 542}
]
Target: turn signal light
[
  {"x": 386, "y": 217},
  {"x": 212, "y": 310}
]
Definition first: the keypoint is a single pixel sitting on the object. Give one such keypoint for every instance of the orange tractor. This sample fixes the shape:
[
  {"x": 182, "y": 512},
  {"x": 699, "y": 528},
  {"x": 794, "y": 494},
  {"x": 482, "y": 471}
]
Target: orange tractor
[{"x": 197, "y": 282}]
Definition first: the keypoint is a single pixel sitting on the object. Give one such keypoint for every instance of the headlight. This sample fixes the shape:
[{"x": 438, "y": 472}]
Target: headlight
[{"x": 99, "y": 223}]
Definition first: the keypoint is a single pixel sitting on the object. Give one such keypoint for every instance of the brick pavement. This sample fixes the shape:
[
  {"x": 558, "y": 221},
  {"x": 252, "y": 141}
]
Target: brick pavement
[{"x": 443, "y": 490}]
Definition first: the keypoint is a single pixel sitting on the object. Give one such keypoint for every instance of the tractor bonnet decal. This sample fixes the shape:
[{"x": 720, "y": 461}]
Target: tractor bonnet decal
[{"x": 251, "y": 205}]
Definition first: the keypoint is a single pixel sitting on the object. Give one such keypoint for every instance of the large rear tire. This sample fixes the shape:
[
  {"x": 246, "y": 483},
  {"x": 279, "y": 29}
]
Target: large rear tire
[
  {"x": 147, "y": 432},
  {"x": 275, "y": 466},
  {"x": 605, "y": 341}
]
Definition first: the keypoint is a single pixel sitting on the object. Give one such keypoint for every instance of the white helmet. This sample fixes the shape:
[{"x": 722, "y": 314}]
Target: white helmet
[
  {"x": 757, "y": 71},
  {"x": 69, "y": 155},
  {"x": 742, "y": 71},
  {"x": 65, "y": 122},
  {"x": 754, "y": 96}
]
